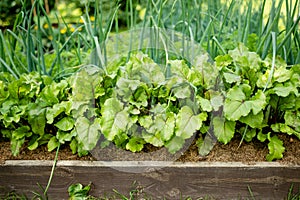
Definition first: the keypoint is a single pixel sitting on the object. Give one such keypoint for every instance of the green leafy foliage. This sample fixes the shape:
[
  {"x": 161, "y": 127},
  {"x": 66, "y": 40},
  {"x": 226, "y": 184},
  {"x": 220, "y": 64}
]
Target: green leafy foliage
[
  {"x": 136, "y": 103},
  {"x": 260, "y": 101},
  {"x": 275, "y": 148},
  {"x": 78, "y": 191},
  {"x": 224, "y": 129},
  {"x": 146, "y": 107}
]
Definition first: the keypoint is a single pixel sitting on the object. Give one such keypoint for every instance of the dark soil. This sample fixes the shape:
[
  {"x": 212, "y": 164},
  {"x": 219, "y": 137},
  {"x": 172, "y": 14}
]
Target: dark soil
[{"x": 247, "y": 153}]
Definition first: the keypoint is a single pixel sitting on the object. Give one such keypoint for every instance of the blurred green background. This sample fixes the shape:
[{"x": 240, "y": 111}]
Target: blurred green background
[{"x": 71, "y": 10}]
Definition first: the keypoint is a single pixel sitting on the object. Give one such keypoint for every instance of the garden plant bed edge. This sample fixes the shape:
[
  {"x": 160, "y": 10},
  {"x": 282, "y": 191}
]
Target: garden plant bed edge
[
  {"x": 226, "y": 173},
  {"x": 157, "y": 179},
  {"x": 247, "y": 153}
]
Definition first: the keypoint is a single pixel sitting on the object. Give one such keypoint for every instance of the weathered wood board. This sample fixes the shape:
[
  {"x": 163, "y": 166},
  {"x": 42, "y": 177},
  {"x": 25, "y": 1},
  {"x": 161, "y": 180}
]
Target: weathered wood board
[{"x": 171, "y": 180}]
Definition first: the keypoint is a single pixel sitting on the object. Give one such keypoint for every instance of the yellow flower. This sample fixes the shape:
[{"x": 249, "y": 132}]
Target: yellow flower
[
  {"x": 50, "y": 37},
  {"x": 72, "y": 29},
  {"x": 138, "y": 7},
  {"x": 46, "y": 26},
  {"x": 142, "y": 13},
  {"x": 63, "y": 31},
  {"x": 92, "y": 18}
]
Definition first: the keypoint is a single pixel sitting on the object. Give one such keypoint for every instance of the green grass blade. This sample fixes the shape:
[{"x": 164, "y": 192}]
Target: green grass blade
[
  {"x": 273, "y": 24},
  {"x": 14, "y": 71},
  {"x": 289, "y": 33},
  {"x": 273, "y": 61}
]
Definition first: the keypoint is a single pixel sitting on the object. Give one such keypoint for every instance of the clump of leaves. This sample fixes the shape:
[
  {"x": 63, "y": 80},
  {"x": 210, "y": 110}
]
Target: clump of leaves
[
  {"x": 260, "y": 100},
  {"x": 140, "y": 102},
  {"x": 146, "y": 106}
]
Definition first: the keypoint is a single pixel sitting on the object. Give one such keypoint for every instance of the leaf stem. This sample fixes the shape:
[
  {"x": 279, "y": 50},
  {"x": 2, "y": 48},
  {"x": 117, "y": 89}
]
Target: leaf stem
[
  {"x": 273, "y": 61},
  {"x": 243, "y": 137},
  {"x": 52, "y": 170}
]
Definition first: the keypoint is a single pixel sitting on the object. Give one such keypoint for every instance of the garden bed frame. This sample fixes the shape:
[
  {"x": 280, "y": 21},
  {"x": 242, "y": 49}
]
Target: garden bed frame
[{"x": 158, "y": 179}]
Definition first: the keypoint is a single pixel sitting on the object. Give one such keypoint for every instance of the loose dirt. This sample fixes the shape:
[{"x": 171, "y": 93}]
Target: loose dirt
[{"x": 251, "y": 152}]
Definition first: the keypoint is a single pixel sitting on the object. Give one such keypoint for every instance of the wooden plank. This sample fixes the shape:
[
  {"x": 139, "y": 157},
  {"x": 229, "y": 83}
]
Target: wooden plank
[{"x": 158, "y": 179}]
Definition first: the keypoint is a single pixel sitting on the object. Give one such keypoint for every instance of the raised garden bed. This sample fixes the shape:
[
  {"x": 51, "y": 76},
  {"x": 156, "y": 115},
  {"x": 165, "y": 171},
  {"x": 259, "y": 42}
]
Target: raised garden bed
[
  {"x": 245, "y": 175},
  {"x": 230, "y": 180},
  {"x": 241, "y": 91}
]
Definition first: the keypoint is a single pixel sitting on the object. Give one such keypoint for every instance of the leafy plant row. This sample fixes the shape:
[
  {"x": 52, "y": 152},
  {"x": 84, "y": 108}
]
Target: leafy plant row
[{"x": 137, "y": 102}]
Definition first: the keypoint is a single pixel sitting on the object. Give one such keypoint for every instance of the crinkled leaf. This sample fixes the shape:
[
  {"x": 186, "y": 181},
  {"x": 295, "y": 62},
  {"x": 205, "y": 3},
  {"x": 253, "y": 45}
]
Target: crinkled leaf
[
  {"x": 141, "y": 67},
  {"x": 52, "y": 144},
  {"x": 204, "y": 104},
  {"x": 209, "y": 71},
  {"x": 16, "y": 146},
  {"x": 7, "y": 105},
  {"x": 161, "y": 130},
  {"x": 292, "y": 118},
  {"x": 36, "y": 118},
  {"x": 168, "y": 129},
  {"x": 33, "y": 145},
  {"x": 21, "y": 132},
  {"x": 216, "y": 100},
  {"x": 262, "y": 80},
  {"x": 284, "y": 128},
  {"x": 65, "y": 124},
  {"x": 223, "y": 61},
  {"x": 52, "y": 94},
  {"x": 73, "y": 145},
  {"x": 249, "y": 135},
  {"x": 180, "y": 69},
  {"x": 38, "y": 122},
  {"x": 4, "y": 93},
  {"x": 145, "y": 121},
  {"x": 283, "y": 90},
  {"x": 63, "y": 136},
  {"x": 182, "y": 92},
  {"x": 88, "y": 132},
  {"x": 258, "y": 102},
  {"x": 135, "y": 144},
  {"x": 12, "y": 112},
  {"x": 78, "y": 192},
  {"x": 237, "y": 106},
  {"x": 57, "y": 109},
  {"x": 232, "y": 78},
  {"x": 282, "y": 74},
  {"x": 223, "y": 129},
  {"x": 121, "y": 139},
  {"x": 85, "y": 86},
  {"x": 254, "y": 121},
  {"x": 195, "y": 77},
  {"x": 276, "y": 149},
  {"x": 261, "y": 137},
  {"x": 114, "y": 119},
  {"x": 18, "y": 138},
  {"x": 153, "y": 138},
  {"x": 175, "y": 144},
  {"x": 187, "y": 123},
  {"x": 244, "y": 58},
  {"x": 139, "y": 98},
  {"x": 126, "y": 87}
]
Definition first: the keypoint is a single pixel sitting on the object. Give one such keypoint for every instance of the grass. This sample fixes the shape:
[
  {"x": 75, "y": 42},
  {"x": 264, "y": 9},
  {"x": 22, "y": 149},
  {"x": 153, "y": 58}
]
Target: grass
[
  {"x": 34, "y": 44},
  {"x": 138, "y": 193}
]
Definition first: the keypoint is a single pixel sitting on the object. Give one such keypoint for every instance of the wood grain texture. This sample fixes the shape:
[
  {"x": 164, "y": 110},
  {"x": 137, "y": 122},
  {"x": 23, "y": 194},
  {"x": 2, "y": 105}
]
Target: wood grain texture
[{"x": 157, "y": 179}]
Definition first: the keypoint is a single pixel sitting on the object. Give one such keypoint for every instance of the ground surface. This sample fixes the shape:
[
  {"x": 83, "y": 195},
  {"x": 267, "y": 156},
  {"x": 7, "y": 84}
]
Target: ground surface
[{"x": 247, "y": 153}]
